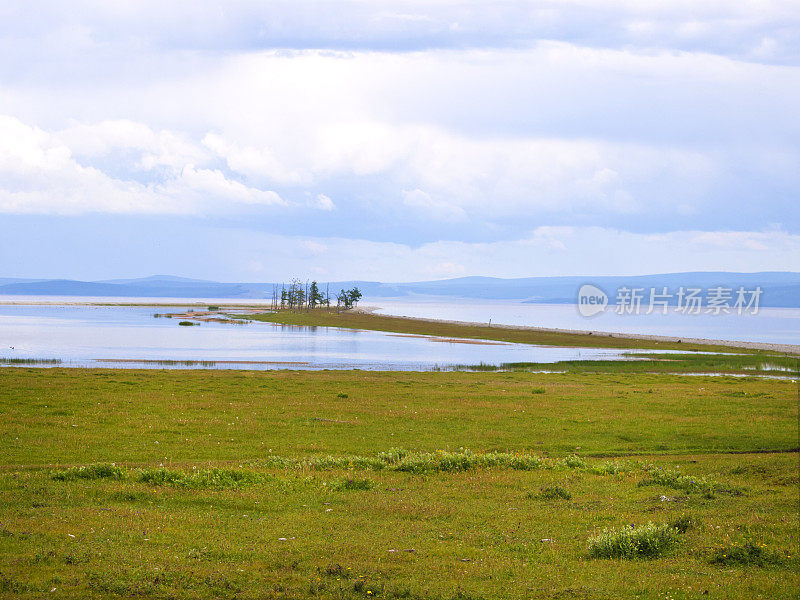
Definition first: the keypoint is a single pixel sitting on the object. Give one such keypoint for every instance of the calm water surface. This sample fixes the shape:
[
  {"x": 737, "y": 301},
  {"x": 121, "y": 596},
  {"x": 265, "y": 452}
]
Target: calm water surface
[
  {"x": 775, "y": 325},
  {"x": 118, "y": 336}
]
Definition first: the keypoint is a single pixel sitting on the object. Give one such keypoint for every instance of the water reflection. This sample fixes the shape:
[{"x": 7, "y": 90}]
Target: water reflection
[{"x": 129, "y": 337}]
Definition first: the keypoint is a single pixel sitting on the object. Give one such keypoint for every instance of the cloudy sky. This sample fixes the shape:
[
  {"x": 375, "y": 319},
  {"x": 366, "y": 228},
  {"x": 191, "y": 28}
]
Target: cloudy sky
[{"x": 398, "y": 141}]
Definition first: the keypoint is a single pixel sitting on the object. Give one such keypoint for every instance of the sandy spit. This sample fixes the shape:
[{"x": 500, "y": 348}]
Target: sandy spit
[{"x": 786, "y": 348}]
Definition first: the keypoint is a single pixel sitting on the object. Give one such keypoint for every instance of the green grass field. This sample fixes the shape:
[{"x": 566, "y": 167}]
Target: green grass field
[{"x": 352, "y": 484}]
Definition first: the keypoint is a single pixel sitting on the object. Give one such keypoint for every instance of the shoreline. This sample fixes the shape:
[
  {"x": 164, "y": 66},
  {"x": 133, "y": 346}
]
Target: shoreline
[
  {"x": 793, "y": 349},
  {"x": 770, "y": 346},
  {"x": 264, "y": 306}
]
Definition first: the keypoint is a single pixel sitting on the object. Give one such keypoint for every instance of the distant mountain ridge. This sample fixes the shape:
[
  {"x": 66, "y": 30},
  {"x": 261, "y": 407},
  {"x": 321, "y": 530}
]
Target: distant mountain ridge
[{"x": 780, "y": 289}]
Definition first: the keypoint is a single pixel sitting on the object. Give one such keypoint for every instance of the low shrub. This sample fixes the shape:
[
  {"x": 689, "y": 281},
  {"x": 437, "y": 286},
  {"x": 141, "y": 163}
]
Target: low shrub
[
  {"x": 393, "y": 455},
  {"x": 610, "y": 467},
  {"x": 677, "y": 481},
  {"x": 575, "y": 462},
  {"x": 327, "y": 463},
  {"x": 399, "y": 459},
  {"x": 646, "y": 541},
  {"x": 454, "y": 462}
]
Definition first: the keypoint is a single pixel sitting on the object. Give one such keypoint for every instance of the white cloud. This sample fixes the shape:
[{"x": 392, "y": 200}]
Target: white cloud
[
  {"x": 256, "y": 163},
  {"x": 39, "y": 175},
  {"x": 545, "y": 251},
  {"x": 436, "y": 209},
  {"x": 466, "y": 141},
  {"x": 451, "y": 176},
  {"x": 82, "y": 27},
  {"x": 214, "y": 185},
  {"x": 27, "y": 150},
  {"x": 323, "y": 202},
  {"x": 733, "y": 240},
  {"x": 155, "y": 148}
]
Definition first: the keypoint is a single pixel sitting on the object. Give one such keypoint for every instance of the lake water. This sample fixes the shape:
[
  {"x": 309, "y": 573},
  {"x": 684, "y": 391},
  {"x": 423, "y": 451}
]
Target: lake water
[
  {"x": 774, "y": 325},
  {"x": 99, "y": 336}
]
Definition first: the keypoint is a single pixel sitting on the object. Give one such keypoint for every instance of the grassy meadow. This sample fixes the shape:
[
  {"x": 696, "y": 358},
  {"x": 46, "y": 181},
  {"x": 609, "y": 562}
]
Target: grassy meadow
[{"x": 355, "y": 484}]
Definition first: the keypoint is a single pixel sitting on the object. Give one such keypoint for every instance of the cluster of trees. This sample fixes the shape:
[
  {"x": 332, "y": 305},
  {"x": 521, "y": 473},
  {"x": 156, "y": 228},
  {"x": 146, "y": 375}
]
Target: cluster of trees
[
  {"x": 348, "y": 298},
  {"x": 299, "y": 296}
]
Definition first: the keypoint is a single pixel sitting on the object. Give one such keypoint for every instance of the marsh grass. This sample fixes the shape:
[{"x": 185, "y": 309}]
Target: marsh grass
[
  {"x": 30, "y": 361},
  {"x": 740, "y": 362},
  {"x": 478, "y": 367},
  {"x": 183, "y": 363},
  {"x": 187, "y": 323},
  {"x": 645, "y": 541}
]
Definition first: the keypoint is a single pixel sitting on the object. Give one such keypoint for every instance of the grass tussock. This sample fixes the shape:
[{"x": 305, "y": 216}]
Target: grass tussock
[
  {"x": 645, "y": 541},
  {"x": 748, "y": 554},
  {"x": 398, "y": 459},
  {"x": 351, "y": 483},
  {"x": 683, "y": 523},
  {"x": 677, "y": 481},
  {"x": 229, "y": 479},
  {"x": 552, "y": 492},
  {"x": 404, "y": 461},
  {"x": 100, "y": 471},
  {"x": 610, "y": 467},
  {"x": 452, "y": 462}
]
